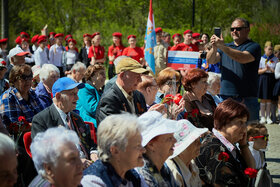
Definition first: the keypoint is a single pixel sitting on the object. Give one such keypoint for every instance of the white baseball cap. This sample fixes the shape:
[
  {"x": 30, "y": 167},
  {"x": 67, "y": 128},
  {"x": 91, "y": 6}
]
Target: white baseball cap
[
  {"x": 17, "y": 51},
  {"x": 154, "y": 124}
]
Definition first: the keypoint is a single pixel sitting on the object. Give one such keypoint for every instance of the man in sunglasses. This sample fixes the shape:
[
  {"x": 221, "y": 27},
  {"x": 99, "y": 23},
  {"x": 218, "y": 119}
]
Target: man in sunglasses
[{"x": 239, "y": 66}]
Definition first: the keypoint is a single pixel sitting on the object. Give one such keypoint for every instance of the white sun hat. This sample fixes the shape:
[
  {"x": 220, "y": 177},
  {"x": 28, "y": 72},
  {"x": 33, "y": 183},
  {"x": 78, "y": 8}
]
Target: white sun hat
[
  {"x": 154, "y": 124},
  {"x": 185, "y": 136}
]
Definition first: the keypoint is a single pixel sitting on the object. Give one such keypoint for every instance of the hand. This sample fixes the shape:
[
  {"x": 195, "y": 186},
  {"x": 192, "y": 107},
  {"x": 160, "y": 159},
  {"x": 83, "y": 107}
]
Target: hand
[
  {"x": 177, "y": 109},
  {"x": 86, "y": 163},
  {"x": 243, "y": 141},
  {"x": 93, "y": 157},
  {"x": 216, "y": 41},
  {"x": 158, "y": 107}
]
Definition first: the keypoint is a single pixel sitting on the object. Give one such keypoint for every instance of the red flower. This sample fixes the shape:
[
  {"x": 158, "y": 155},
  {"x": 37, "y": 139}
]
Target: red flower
[
  {"x": 177, "y": 99},
  {"x": 168, "y": 99},
  {"x": 21, "y": 119},
  {"x": 223, "y": 156},
  {"x": 3, "y": 63},
  {"x": 252, "y": 173},
  {"x": 195, "y": 112}
]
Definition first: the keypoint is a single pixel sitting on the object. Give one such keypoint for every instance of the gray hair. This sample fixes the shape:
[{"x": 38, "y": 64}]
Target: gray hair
[
  {"x": 212, "y": 77},
  {"x": 115, "y": 130},
  {"x": 77, "y": 66},
  {"x": 7, "y": 145},
  {"x": 46, "y": 70},
  {"x": 45, "y": 146}
]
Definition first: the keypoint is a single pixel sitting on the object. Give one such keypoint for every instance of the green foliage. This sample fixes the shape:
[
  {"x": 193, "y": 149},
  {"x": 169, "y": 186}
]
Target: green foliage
[{"x": 130, "y": 17}]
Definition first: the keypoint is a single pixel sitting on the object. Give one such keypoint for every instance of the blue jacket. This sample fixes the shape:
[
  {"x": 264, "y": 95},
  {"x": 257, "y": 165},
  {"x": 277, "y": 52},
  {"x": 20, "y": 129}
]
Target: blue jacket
[
  {"x": 87, "y": 103},
  {"x": 107, "y": 173},
  {"x": 44, "y": 97}
]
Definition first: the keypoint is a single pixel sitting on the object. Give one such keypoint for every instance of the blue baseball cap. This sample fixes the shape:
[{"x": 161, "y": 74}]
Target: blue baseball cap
[{"x": 65, "y": 83}]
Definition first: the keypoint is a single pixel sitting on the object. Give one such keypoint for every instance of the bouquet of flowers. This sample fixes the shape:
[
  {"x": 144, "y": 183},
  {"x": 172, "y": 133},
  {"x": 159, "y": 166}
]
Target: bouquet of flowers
[{"x": 19, "y": 127}]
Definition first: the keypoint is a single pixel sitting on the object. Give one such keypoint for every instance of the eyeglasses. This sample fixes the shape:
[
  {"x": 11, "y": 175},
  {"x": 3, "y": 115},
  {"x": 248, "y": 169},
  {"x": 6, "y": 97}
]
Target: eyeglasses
[
  {"x": 26, "y": 77},
  {"x": 237, "y": 28},
  {"x": 264, "y": 137}
]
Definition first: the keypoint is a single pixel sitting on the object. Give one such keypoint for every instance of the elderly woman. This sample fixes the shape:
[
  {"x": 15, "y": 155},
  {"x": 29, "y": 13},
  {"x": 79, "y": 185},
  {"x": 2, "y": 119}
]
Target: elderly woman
[
  {"x": 19, "y": 99},
  {"x": 120, "y": 150},
  {"x": 8, "y": 161},
  {"x": 158, "y": 141},
  {"x": 168, "y": 81},
  {"x": 186, "y": 149},
  {"x": 89, "y": 96},
  {"x": 199, "y": 106},
  {"x": 56, "y": 158},
  {"x": 148, "y": 87},
  {"x": 213, "y": 88},
  {"x": 48, "y": 75},
  {"x": 220, "y": 162},
  {"x": 78, "y": 72}
]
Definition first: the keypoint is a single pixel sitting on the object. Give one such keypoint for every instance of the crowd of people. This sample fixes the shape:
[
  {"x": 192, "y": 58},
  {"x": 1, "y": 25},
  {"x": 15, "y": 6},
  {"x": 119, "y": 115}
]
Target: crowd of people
[{"x": 61, "y": 125}]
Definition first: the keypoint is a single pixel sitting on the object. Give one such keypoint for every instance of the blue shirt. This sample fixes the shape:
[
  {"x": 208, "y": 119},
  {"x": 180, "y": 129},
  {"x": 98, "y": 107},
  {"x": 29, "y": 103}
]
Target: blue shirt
[
  {"x": 43, "y": 95},
  {"x": 240, "y": 79}
]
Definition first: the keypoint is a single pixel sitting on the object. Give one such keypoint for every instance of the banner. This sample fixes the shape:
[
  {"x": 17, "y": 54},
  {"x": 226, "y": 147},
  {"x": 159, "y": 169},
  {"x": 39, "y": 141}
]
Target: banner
[
  {"x": 182, "y": 59},
  {"x": 150, "y": 38}
]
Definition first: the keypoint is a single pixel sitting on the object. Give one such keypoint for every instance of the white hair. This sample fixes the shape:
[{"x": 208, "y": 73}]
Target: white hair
[
  {"x": 78, "y": 66},
  {"x": 115, "y": 130},
  {"x": 45, "y": 147},
  {"x": 212, "y": 77},
  {"x": 7, "y": 145},
  {"x": 46, "y": 70}
]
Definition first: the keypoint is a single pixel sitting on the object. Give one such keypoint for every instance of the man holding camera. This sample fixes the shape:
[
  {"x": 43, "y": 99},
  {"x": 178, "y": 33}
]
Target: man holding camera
[{"x": 239, "y": 66}]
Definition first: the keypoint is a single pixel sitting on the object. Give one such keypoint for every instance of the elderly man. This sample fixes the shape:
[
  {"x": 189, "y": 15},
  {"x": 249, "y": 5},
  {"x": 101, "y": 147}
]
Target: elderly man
[
  {"x": 16, "y": 57},
  {"x": 239, "y": 66},
  {"x": 187, "y": 44},
  {"x": 60, "y": 113},
  {"x": 78, "y": 72},
  {"x": 123, "y": 96},
  {"x": 49, "y": 73}
]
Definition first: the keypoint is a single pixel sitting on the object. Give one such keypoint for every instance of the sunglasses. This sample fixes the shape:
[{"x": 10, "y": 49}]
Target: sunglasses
[
  {"x": 237, "y": 28},
  {"x": 26, "y": 77},
  {"x": 170, "y": 82},
  {"x": 264, "y": 137}
]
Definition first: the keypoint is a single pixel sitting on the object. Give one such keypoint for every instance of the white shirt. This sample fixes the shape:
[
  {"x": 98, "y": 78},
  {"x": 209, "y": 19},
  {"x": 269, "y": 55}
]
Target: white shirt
[
  {"x": 271, "y": 63},
  {"x": 71, "y": 56},
  {"x": 258, "y": 156},
  {"x": 41, "y": 57},
  {"x": 55, "y": 55}
]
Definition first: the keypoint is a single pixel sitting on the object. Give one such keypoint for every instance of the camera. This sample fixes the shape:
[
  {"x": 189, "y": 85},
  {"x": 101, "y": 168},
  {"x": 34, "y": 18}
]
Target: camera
[{"x": 203, "y": 55}]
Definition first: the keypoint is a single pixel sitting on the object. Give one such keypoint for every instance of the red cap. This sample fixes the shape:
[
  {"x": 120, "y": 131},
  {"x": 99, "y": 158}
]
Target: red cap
[
  {"x": 52, "y": 33},
  {"x": 42, "y": 36},
  {"x": 59, "y": 35},
  {"x": 176, "y": 35},
  {"x": 4, "y": 40},
  {"x": 72, "y": 40},
  {"x": 24, "y": 34},
  {"x": 67, "y": 37},
  {"x": 159, "y": 29},
  {"x": 187, "y": 31},
  {"x": 41, "y": 39},
  {"x": 195, "y": 35},
  {"x": 3, "y": 63},
  {"x": 86, "y": 35},
  {"x": 131, "y": 36},
  {"x": 117, "y": 34},
  {"x": 34, "y": 38},
  {"x": 24, "y": 40},
  {"x": 18, "y": 40},
  {"x": 94, "y": 34}
]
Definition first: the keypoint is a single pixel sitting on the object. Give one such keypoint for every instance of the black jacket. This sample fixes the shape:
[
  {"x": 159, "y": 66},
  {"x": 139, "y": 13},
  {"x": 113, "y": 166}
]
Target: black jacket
[
  {"x": 50, "y": 117},
  {"x": 83, "y": 57},
  {"x": 114, "y": 102}
]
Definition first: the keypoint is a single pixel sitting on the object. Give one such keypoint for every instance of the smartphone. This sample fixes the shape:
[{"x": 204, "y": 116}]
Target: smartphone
[{"x": 217, "y": 31}]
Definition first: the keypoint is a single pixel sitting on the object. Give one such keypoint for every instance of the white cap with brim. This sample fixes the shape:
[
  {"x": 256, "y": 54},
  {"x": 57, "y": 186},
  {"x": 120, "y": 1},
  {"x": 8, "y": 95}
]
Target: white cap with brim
[
  {"x": 185, "y": 136},
  {"x": 154, "y": 124},
  {"x": 17, "y": 51}
]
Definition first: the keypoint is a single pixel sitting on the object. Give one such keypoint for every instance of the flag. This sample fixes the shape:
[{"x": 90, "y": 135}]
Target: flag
[{"x": 150, "y": 39}]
